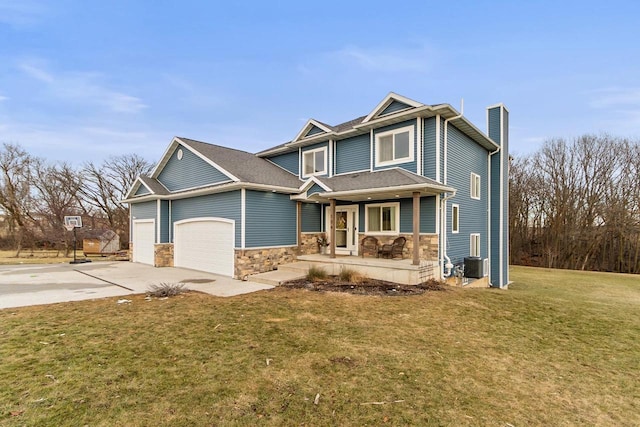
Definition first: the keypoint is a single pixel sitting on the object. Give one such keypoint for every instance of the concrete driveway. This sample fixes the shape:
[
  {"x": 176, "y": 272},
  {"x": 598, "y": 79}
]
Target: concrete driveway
[{"x": 24, "y": 285}]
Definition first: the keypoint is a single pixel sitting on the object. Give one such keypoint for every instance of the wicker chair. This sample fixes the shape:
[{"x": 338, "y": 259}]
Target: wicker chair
[
  {"x": 369, "y": 245},
  {"x": 391, "y": 250}
]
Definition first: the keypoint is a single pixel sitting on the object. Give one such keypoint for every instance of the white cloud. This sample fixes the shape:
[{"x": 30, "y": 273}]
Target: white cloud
[
  {"x": 21, "y": 13},
  {"x": 82, "y": 87},
  {"x": 3, "y": 98},
  {"x": 615, "y": 97},
  {"x": 418, "y": 59}
]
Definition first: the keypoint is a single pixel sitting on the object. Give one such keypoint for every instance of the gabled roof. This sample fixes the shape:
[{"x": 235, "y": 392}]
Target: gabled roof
[
  {"x": 387, "y": 101},
  {"x": 245, "y": 166},
  {"x": 377, "y": 185},
  {"x": 246, "y": 170},
  {"x": 392, "y": 109}
]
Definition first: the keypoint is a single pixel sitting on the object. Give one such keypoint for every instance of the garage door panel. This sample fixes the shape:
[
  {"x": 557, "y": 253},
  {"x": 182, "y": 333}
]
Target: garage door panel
[
  {"x": 143, "y": 242},
  {"x": 205, "y": 245}
]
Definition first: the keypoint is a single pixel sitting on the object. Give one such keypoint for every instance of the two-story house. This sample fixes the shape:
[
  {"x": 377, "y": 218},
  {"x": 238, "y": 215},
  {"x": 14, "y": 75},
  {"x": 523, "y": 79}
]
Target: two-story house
[{"x": 405, "y": 169}]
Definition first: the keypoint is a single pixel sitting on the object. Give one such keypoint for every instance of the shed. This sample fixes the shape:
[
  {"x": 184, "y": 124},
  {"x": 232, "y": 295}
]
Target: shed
[{"x": 100, "y": 242}]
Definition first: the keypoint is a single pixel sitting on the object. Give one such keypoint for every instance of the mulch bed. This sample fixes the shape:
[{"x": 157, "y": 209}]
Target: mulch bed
[{"x": 368, "y": 287}]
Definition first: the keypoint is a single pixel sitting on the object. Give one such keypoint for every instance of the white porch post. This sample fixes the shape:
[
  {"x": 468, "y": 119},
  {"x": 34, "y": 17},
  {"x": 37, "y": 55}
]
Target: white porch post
[
  {"x": 332, "y": 228},
  {"x": 416, "y": 228}
]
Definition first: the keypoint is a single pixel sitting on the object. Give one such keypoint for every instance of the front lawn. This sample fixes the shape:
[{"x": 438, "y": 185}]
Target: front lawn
[{"x": 558, "y": 348}]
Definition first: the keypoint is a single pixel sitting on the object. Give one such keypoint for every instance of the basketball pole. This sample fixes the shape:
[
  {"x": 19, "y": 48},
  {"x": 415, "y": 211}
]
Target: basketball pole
[{"x": 74, "y": 246}]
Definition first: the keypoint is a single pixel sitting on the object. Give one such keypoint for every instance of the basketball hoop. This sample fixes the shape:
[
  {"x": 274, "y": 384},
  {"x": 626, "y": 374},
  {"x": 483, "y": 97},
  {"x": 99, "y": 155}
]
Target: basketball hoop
[{"x": 70, "y": 227}]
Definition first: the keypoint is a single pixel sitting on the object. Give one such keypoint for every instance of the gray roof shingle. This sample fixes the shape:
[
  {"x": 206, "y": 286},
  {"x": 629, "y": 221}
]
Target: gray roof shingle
[
  {"x": 394, "y": 177},
  {"x": 245, "y": 166}
]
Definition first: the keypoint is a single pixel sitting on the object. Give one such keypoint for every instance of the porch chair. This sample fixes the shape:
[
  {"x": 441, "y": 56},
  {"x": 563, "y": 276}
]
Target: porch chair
[
  {"x": 369, "y": 245},
  {"x": 391, "y": 250}
]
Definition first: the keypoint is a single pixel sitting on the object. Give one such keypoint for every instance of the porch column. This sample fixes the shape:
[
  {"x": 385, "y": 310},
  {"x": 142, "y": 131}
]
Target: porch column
[
  {"x": 299, "y": 222},
  {"x": 332, "y": 228},
  {"x": 416, "y": 228}
]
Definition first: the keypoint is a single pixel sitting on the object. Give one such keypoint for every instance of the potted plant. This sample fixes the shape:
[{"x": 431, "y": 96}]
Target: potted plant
[{"x": 322, "y": 244}]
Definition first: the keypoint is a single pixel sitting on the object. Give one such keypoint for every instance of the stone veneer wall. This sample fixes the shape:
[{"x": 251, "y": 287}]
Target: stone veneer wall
[
  {"x": 310, "y": 243},
  {"x": 252, "y": 261},
  {"x": 428, "y": 244},
  {"x": 163, "y": 255}
]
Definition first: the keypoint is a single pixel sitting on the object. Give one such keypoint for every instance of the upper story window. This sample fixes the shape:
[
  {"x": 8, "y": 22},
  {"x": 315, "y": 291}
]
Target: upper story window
[
  {"x": 475, "y": 186},
  {"x": 383, "y": 218},
  {"x": 394, "y": 146},
  {"x": 455, "y": 218},
  {"x": 314, "y": 162}
]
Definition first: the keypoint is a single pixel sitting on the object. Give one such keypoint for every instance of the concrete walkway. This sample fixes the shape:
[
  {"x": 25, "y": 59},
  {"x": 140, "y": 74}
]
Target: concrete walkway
[{"x": 24, "y": 285}]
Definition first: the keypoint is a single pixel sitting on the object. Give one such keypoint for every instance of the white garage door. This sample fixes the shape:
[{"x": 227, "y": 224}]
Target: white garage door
[
  {"x": 205, "y": 244},
  {"x": 144, "y": 238}
]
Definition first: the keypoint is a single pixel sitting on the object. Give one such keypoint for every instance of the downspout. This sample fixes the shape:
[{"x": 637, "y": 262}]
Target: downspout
[
  {"x": 443, "y": 223},
  {"x": 443, "y": 227}
]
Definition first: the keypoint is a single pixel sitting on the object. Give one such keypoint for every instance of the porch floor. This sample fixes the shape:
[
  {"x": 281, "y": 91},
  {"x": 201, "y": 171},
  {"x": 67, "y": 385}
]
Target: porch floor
[{"x": 393, "y": 270}]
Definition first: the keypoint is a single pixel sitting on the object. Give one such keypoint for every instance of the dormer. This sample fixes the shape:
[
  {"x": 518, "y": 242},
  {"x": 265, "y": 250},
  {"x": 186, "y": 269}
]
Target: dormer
[{"x": 391, "y": 104}]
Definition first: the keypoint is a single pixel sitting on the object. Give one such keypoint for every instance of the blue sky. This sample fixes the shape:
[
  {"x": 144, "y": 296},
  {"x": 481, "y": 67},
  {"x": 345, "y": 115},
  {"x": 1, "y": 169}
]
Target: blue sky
[{"x": 83, "y": 80}]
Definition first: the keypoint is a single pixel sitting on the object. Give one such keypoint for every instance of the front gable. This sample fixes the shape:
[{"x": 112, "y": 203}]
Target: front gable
[
  {"x": 183, "y": 169},
  {"x": 312, "y": 128},
  {"x": 392, "y": 103}
]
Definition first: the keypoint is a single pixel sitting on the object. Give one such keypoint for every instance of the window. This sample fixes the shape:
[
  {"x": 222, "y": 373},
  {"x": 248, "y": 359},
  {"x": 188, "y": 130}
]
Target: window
[
  {"x": 314, "y": 162},
  {"x": 384, "y": 218},
  {"x": 394, "y": 146},
  {"x": 475, "y": 186},
  {"x": 475, "y": 245},
  {"x": 455, "y": 218}
]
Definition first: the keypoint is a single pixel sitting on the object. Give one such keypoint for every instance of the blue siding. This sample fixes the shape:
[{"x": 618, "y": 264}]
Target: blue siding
[
  {"x": 271, "y": 219},
  {"x": 394, "y": 107},
  {"x": 288, "y": 161},
  {"x": 315, "y": 130},
  {"x": 189, "y": 172},
  {"x": 311, "y": 217},
  {"x": 410, "y": 166},
  {"x": 427, "y": 214},
  {"x": 353, "y": 154},
  {"x": 142, "y": 190},
  {"x": 314, "y": 147},
  {"x": 466, "y": 156},
  {"x": 164, "y": 221},
  {"x": 145, "y": 210},
  {"x": 222, "y": 205},
  {"x": 428, "y": 209},
  {"x": 315, "y": 188},
  {"x": 430, "y": 147}
]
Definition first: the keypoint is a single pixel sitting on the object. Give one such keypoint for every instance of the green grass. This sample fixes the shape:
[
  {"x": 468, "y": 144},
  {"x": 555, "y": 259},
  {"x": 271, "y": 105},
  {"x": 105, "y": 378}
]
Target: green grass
[{"x": 558, "y": 348}]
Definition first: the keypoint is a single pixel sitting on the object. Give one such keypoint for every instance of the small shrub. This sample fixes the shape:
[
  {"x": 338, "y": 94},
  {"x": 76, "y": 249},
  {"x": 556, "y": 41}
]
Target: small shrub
[
  {"x": 166, "y": 290},
  {"x": 351, "y": 276},
  {"x": 316, "y": 273}
]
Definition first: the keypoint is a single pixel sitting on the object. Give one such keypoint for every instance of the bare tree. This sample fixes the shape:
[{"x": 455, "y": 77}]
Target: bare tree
[
  {"x": 57, "y": 190},
  {"x": 104, "y": 185},
  {"x": 15, "y": 190},
  {"x": 577, "y": 205}
]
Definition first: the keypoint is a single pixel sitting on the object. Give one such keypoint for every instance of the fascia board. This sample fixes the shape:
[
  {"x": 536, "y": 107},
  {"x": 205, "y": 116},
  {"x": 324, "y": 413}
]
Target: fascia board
[
  {"x": 335, "y": 194},
  {"x": 213, "y": 190}
]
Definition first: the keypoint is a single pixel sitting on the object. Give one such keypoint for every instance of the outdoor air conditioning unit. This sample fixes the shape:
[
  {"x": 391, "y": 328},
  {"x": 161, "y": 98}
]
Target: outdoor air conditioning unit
[{"x": 474, "y": 267}]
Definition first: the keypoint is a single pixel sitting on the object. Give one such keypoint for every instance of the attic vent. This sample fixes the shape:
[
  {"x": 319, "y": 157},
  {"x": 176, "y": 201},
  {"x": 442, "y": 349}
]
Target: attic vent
[{"x": 180, "y": 154}]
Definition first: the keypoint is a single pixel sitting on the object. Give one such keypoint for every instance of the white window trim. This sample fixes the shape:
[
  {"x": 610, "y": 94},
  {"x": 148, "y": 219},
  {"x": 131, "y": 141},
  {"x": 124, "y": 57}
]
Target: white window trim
[
  {"x": 304, "y": 153},
  {"x": 475, "y": 177},
  {"x": 455, "y": 225},
  {"x": 382, "y": 205},
  {"x": 412, "y": 144},
  {"x": 472, "y": 238}
]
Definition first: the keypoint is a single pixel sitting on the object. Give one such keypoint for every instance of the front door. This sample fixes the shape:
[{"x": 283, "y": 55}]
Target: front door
[{"x": 346, "y": 237}]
